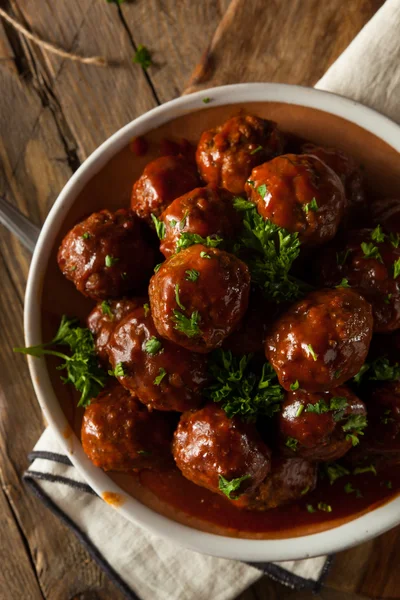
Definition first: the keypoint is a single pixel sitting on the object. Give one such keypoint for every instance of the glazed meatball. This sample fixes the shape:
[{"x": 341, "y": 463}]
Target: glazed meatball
[
  {"x": 226, "y": 155},
  {"x": 164, "y": 376},
  {"x": 211, "y": 450},
  {"x": 106, "y": 255},
  {"x": 105, "y": 317},
  {"x": 343, "y": 165},
  {"x": 301, "y": 194},
  {"x": 206, "y": 211},
  {"x": 386, "y": 211},
  {"x": 321, "y": 427},
  {"x": 120, "y": 434},
  {"x": 289, "y": 479},
  {"x": 250, "y": 336},
  {"x": 369, "y": 266},
  {"x": 198, "y": 297},
  {"x": 162, "y": 180},
  {"x": 321, "y": 341}
]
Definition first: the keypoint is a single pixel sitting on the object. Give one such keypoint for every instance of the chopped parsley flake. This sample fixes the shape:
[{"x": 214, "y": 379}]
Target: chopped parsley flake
[
  {"x": 111, "y": 260},
  {"x": 371, "y": 251},
  {"x": 190, "y": 327},
  {"x": 396, "y": 268},
  {"x": 146, "y": 308},
  {"x": 377, "y": 235},
  {"x": 204, "y": 255},
  {"x": 262, "y": 190},
  {"x": 86, "y": 235},
  {"x": 311, "y": 352},
  {"x": 142, "y": 57},
  {"x": 172, "y": 223},
  {"x": 324, "y": 507},
  {"x": 294, "y": 386},
  {"x": 361, "y": 470},
  {"x": 192, "y": 275},
  {"x": 118, "y": 371},
  {"x": 206, "y": 100},
  {"x": 258, "y": 149},
  {"x": 106, "y": 309},
  {"x": 344, "y": 283},
  {"x": 157, "y": 267},
  {"x": 311, "y": 206},
  {"x": 153, "y": 345},
  {"x": 160, "y": 227},
  {"x": 305, "y": 491},
  {"x": 379, "y": 369},
  {"x": 299, "y": 410},
  {"x": 177, "y": 299},
  {"x": 189, "y": 239},
  {"x": 291, "y": 443},
  {"x": 310, "y": 508},
  {"x": 161, "y": 374},
  {"x": 228, "y": 487},
  {"x": 394, "y": 239},
  {"x": 387, "y": 298},
  {"x": 335, "y": 471}
]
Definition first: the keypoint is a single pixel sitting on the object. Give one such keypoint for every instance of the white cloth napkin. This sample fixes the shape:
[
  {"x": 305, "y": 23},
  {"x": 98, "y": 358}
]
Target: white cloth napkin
[{"x": 147, "y": 567}]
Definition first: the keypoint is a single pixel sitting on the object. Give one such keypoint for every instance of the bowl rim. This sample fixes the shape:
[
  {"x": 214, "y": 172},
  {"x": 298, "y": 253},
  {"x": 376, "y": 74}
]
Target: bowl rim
[{"x": 358, "y": 530}]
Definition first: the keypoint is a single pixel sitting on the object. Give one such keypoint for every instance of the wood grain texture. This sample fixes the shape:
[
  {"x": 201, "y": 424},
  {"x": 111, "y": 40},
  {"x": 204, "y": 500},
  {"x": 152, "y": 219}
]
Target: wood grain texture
[{"x": 288, "y": 42}]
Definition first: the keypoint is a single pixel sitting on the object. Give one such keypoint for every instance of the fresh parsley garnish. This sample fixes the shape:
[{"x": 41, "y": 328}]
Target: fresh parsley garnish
[
  {"x": 106, "y": 309},
  {"x": 192, "y": 275},
  {"x": 300, "y": 410},
  {"x": 111, "y": 260},
  {"x": 142, "y": 57},
  {"x": 361, "y": 470},
  {"x": 394, "y": 239},
  {"x": 172, "y": 223},
  {"x": 228, "y": 487},
  {"x": 188, "y": 326},
  {"x": 334, "y": 471},
  {"x": 377, "y": 235},
  {"x": 86, "y": 235},
  {"x": 312, "y": 353},
  {"x": 242, "y": 391},
  {"x": 204, "y": 255},
  {"x": 387, "y": 298},
  {"x": 206, "y": 100},
  {"x": 294, "y": 386},
  {"x": 396, "y": 268},
  {"x": 160, "y": 227},
  {"x": 153, "y": 345},
  {"x": 311, "y": 206},
  {"x": 305, "y": 491},
  {"x": 258, "y": 149},
  {"x": 118, "y": 371},
  {"x": 353, "y": 427},
  {"x": 310, "y": 508},
  {"x": 291, "y": 443},
  {"x": 336, "y": 403},
  {"x": 344, "y": 283},
  {"x": 187, "y": 239},
  {"x": 82, "y": 366},
  {"x": 157, "y": 267},
  {"x": 262, "y": 190},
  {"x": 146, "y": 309},
  {"x": 177, "y": 299},
  {"x": 324, "y": 507},
  {"x": 182, "y": 222},
  {"x": 371, "y": 251},
  {"x": 379, "y": 369},
  {"x": 273, "y": 251},
  {"x": 161, "y": 374}
]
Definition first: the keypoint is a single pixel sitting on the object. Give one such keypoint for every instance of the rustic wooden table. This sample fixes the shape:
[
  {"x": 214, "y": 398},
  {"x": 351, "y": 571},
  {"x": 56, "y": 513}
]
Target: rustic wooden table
[{"x": 54, "y": 113}]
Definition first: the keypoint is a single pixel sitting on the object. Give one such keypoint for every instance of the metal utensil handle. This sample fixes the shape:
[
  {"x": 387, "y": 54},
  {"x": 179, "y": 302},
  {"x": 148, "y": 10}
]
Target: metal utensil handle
[{"x": 18, "y": 224}]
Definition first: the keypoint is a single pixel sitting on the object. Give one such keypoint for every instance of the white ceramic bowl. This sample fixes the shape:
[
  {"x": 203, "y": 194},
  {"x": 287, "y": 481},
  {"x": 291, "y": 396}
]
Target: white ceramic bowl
[{"x": 358, "y": 530}]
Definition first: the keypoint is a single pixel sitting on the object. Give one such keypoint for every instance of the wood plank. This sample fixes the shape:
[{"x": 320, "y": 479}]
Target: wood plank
[
  {"x": 264, "y": 40},
  {"x": 92, "y": 102},
  {"x": 176, "y": 34}
]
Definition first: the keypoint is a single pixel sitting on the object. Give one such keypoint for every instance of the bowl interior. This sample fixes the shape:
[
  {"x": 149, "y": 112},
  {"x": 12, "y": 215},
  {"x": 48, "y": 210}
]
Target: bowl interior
[{"x": 111, "y": 186}]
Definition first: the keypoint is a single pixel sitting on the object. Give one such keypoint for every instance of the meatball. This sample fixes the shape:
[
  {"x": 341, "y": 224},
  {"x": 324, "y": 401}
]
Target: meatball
[
  {"x": 206, "y": 211},
  {"x": 198, "y": 297},
  {"x": 301, "y": 194},
  {"x": 164, "y": 376},
  {"x": 369, "y": 266},
  {"x": 212, "y": 451},
  {"x": 350, "y": 174},
  {"x": 120, "y": 434},
  {"x": 386, "y": 211},
  {"x": 321, "y": 427},
  {"x": 321, "y": 341},
  {"x": 106, "y": 255},
  {"x": 289, "y": 479},
  {"x": 250, "y": 336},
  {"x": 162, "y": 180},
  {"x": 105, "y": 317},
  {"x": 226, "y": 155}
]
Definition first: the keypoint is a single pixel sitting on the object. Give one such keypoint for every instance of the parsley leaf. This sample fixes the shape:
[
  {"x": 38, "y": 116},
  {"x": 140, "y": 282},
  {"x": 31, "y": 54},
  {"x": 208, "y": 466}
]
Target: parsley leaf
[
  {"x": 344, "y": 283},
  {"x": 228, "y": 487},
  {"x": 118, "y": 371},
  {"x": 111, "y": 260},
  {"x": 190, "y": 327},
  {"x": 189, "y": 239},
  {"x": 311, "y": 206},
  {"x": 86, "y": 235},
  {"x": 82, "y": 366},
  {"x": 273, "y": 251},
  {"x": 396, "y": 268},
  {"x": 146, "y": 309},
  {"x": 379, "y": 369},
  {"x": 106, "y": 309},
  {"x": 142, "y": 57},
  {"x": 291, "y": 443},
  {"x": 153, "y": 345},
  {"x": 361, "y": 470},
  {"x": 294, "y": 386},
  {"x": 394, "y": 239},
  {"x": 206, "y": 100},
  {"x": 262, "y": 190},
  {"x": 157, "y": 267},
  {"x": 300, "y": 410},
  {"x": 192, "y": 275},
  {"x": 324, "y": 507},
  {"x": 177, "y": 299},
  {"x": 310, "y": 508},
  {"x": 240, "y": 390},
  {"x": 160, "y": 227},
  {"x": 371, "y": 251},
  {"x": 335, "y": 471},
  {"x": 377, "y": 235},
  {"x": 354, "y": 426},
  {"x": 161, "y": 374},
  {"x": 312, "y": 353},
  {"x": 204, "y": 255}
]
